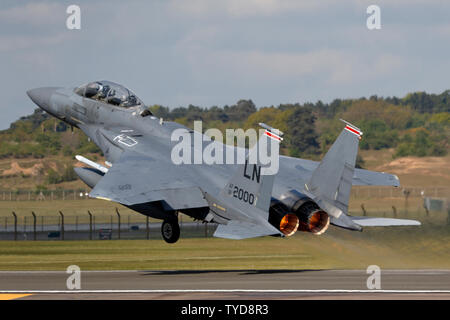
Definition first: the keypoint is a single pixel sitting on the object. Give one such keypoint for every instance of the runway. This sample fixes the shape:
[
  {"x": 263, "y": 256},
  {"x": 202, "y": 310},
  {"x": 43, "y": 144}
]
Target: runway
[{"x": 234, "y": 284}]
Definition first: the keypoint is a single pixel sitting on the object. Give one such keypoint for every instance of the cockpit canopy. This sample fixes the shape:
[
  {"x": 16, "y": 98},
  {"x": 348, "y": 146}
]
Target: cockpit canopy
[{"x": 109, "y": 92}]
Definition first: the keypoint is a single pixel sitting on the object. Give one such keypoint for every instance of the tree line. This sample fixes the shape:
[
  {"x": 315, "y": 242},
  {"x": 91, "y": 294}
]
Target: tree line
[{"x": 417, "y": 124}]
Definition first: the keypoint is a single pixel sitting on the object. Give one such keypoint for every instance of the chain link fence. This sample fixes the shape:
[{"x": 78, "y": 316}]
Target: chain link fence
[{"x": 104, "y": 223}]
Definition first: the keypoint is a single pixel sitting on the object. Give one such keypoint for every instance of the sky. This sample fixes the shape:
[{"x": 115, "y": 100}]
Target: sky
[{"x": 206, "y": 52}]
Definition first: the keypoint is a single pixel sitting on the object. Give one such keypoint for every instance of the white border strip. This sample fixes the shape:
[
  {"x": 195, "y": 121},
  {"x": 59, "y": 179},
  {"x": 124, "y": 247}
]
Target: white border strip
[{"x": 227, "y": 291}]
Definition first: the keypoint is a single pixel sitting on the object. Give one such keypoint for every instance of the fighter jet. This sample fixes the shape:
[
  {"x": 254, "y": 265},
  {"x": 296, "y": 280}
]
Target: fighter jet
[{"x": 302, "y": 195}]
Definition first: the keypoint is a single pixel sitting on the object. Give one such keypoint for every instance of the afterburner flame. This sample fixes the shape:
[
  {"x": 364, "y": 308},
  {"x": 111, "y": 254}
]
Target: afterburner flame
[
  {"x": 289, "y": 224},
  {"x": 316, "y": 223}
]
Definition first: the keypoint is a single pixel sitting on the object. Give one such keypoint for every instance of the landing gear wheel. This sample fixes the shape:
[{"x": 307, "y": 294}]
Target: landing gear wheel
[{"x": 170, "y": 231}]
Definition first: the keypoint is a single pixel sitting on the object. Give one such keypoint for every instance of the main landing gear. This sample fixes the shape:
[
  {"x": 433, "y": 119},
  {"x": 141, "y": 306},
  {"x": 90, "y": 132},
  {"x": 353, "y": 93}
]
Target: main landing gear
[{"x": 170, "y": 230}]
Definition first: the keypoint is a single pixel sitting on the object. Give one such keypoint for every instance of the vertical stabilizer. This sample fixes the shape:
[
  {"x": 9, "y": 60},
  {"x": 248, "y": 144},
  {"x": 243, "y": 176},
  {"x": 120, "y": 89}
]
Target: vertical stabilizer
[
  {"x": 248, "y": 193},
  {"x": 252, "y": 182},
  {"x": 332, "y": 180}
]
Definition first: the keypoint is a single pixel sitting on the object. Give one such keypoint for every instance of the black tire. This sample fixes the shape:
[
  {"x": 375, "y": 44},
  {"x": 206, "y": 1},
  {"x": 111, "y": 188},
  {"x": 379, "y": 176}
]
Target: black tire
[{"x": 170, "y": 231}]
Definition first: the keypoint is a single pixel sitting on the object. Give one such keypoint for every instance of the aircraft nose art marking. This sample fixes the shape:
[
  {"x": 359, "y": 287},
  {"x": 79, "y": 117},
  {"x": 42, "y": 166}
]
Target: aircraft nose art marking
[{"x": 125, "y": 140}]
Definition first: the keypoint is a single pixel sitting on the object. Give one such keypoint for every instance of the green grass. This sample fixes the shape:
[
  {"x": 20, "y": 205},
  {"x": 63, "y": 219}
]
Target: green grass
[
  {"x": 102, "y": 211},
  {"x": 407, "y": 247},
  {"x": 427, "y": 246},
  {"x": 68, "y": 207}
]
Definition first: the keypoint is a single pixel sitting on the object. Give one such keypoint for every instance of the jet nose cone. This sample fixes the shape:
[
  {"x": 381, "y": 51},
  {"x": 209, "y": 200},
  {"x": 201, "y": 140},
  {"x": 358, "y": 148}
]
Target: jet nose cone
[{"x": 41, "y": 96}]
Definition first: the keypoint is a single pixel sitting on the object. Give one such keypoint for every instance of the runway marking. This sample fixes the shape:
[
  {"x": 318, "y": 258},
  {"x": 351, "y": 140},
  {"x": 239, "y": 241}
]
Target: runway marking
[
  {"x": 12, "y": 296},
  {"x": 225, "y": 291}
]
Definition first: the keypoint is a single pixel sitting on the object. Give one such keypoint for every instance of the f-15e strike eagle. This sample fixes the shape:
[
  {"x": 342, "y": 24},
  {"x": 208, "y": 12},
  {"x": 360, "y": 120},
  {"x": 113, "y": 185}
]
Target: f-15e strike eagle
[{"x": 303, "y": 195}]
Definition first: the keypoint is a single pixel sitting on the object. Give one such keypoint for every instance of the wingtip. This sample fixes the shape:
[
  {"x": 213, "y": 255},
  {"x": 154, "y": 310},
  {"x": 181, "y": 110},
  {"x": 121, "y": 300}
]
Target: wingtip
[
  {"x": 352, "y": 126},
  {"x": 271, "y": 129}
]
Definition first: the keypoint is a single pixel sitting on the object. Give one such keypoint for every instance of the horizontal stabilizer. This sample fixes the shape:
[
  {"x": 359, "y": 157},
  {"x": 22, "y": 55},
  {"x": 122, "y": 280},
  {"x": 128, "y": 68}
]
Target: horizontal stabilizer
[
  {"x": 363, "y": 177},
  {"x": 304, "y": 169},
  {"x": 242, "y": 230},
  {"x": 383, "y": 222}
]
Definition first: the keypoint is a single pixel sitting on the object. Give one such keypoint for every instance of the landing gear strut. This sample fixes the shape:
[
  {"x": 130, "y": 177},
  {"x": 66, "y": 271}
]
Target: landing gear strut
[{"x": 170, "y": 230}]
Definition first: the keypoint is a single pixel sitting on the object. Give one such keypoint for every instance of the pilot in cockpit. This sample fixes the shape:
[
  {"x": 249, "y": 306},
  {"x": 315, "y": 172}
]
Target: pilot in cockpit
[
  {"x": 103, "y": 92},
  {"x": 113, "y": 94}
]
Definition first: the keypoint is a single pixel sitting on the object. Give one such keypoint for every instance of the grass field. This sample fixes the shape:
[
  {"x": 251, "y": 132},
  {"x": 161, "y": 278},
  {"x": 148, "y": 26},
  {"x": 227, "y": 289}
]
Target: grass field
[
  {"x": 427, "y": 246},
  {"x": 69, "y": 207}
]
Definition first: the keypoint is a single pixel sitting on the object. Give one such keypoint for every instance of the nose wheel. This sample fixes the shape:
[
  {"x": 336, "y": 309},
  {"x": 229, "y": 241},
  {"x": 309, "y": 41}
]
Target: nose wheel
[{"x": 170, "y": 230}]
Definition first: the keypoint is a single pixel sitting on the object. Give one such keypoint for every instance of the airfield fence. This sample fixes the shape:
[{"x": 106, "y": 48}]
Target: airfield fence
[
  {"x": 106, "y": 223},
  {"x": 92, "y": 227},
  {"x": 358, "y": 192}
]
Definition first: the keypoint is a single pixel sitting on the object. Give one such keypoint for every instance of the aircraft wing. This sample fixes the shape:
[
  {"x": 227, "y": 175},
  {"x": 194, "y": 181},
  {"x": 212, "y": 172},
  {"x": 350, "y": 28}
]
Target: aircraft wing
[{"x": 136, "y": 178}]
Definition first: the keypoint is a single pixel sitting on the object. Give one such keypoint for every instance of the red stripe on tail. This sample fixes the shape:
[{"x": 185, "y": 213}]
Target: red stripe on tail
[
  {"x": 353, "y": 130},
  {"x": 272, "y": 135}
]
